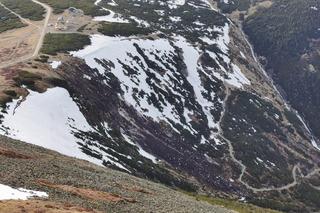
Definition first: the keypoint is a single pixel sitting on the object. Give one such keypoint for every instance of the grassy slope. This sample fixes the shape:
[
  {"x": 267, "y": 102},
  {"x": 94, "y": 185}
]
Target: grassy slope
[
  {"x": 87, "y": 6},
  {"x": 232, "y": 204},
  {"x": 8, "y": 20},
  {"x": 27, "y": 164},
  {"x": 54, "y": 43},
  {"x": 122, "y": 29},
  {"x": 26, "y": 8},
  {"x": 283, "y": 33}
]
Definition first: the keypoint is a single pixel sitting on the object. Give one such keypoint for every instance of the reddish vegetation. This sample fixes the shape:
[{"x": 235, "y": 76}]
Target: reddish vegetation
[
  {"x": 12, "y": 154},
  {"x": 40, "y": 206},
  {"x": 88, "y": 193}
]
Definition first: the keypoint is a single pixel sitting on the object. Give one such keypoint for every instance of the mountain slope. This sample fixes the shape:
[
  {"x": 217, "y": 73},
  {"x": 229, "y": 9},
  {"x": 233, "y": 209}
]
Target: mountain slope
[
  {"x": 66, "y": 180},
  {"x": 170, "y": 91},
  {"x": 290, "y": 47}
]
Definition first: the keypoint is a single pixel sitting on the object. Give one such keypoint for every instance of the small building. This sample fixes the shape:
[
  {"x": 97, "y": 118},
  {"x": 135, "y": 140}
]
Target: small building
[{"x": 74, "y": 11}]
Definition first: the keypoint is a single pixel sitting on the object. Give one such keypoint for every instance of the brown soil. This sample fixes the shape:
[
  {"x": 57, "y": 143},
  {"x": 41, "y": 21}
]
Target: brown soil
[
  {"x": 73, "y": 23},
  {"x": 40, "y": 206},
  {"x": 18, "y": 43},
  {"x": 12, "y": 154},
  {"x": 87, "y": 193}
]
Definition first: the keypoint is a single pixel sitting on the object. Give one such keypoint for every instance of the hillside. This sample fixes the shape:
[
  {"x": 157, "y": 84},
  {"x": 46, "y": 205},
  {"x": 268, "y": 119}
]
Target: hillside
[
  {"x": 78, "y": 186},
  {"x": 169, "y": 91},
  {"x": 290, "y": 44}
]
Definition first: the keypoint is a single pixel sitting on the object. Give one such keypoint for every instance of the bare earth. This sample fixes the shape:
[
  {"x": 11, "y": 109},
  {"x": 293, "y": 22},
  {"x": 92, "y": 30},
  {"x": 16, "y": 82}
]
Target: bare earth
[{"x": 20, "y": 45}]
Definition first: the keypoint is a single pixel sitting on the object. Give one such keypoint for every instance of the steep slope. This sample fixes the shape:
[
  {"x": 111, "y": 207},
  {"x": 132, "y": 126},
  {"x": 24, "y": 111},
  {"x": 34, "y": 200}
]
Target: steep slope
[
  {"x": 289, "y": 42},
  {"x": 170, "y": 91},
  {"x": 78, "y": 186}
]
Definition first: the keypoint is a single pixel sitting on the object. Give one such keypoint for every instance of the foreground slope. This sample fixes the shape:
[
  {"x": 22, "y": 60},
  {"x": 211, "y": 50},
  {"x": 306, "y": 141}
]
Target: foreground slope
[
  {"x": 78, "y": 186},
  {"x": 37, "y": 168}
]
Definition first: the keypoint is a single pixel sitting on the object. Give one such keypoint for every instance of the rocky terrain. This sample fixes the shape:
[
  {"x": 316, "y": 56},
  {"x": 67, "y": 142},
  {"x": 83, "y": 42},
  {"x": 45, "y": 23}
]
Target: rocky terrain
[
  {"x": 79, "y": 186},
  {"x": 170, "y": 91}
]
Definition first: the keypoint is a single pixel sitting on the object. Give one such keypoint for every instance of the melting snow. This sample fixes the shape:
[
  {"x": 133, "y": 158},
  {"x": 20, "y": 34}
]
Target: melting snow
[
  {"x": 191, "y": 56},
  {"x": 55, "y": 64},
  {"x": 50, "y": 120},
  {"x": 242, "y": 55},
  {"x": 237, "y": 78},
  {"x": 259, "y": 159},
  {"x": 9, "y": 193},
  {"x": 175, "y": 18},
  {"x": 173, "y": 4},
  {"x": 160, "y": 12},
  {"x": 118, "y": 49},
  {"x": 112, "y": 17},
  {"x": 47, "y": 120},
  {"x": 140, "y": 22},
  {"x": 314, "y": 8},
  {"x": 140, "y": 150}
]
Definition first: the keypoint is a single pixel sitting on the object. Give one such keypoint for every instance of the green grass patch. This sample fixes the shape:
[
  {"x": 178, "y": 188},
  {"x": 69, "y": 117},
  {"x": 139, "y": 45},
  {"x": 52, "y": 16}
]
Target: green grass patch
[
  {"x": 88, "y": 6},
  {"x": 27, "y": 78},
  {"x": 231, "y": 204},
  {"x": 26, "y": 8},
  {"x": 308, "y": 195},
  {"x": 54, "y": 43},
  {"x": 122, "y": 29},
  {"x": 8, "y": 21},
  {"x": 240, "y": 5}
]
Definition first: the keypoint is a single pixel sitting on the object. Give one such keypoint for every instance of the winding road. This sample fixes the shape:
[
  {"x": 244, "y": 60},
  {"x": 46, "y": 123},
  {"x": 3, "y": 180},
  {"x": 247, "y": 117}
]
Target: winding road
[
  {"x": 42, "y": 30},
  {"x": 243, "y": 167}
]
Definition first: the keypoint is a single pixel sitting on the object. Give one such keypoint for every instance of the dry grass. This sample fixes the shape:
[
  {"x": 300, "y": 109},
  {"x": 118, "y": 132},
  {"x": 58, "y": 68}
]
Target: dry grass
[
  {"x": 87, "y": 193},
  {"x": 12, "y": 154},
  {"x": 40, "y": 206}
]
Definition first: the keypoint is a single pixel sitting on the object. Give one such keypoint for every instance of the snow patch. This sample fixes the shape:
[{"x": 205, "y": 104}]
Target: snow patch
[
  {"x": 112, "y": 17},
  {"x": 48, "y": 120},
  {"x": 9, "y": 193},
  {"x": 55, "y": 64},
  {"x": 140, "y": 150}
]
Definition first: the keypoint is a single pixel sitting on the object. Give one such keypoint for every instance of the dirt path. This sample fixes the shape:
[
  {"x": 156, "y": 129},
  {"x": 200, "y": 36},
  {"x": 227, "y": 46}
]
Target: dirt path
[
  {"x": 263, "y": 189},
  {"x": 42, "y": 30},
  {"x": 243, "y": 167},
  {"x": 26, "y": 21}
]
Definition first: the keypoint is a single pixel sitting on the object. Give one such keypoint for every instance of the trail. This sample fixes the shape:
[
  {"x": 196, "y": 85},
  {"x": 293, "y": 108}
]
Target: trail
[
  {"x": 42, "y": 32},
  {"x": 243, "y": 167},
  {"x": 19, "y": 16}
]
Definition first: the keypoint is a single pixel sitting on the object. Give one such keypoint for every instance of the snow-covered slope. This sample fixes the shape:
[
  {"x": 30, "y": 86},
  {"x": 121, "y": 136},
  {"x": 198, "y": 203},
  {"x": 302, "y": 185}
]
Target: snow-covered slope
[{"x": 49, "y": 120}]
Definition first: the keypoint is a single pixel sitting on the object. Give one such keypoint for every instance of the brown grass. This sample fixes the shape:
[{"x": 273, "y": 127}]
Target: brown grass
[
  {"x": 88, "y": 193},
  {"x": 40, "y": 206},
  {"x": 12, "y": 154}
]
